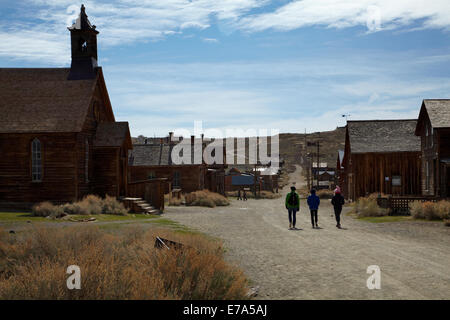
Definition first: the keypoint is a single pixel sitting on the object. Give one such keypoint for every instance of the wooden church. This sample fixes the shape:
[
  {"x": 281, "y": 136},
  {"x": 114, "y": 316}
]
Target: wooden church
[{"x": 59, "y": 140}]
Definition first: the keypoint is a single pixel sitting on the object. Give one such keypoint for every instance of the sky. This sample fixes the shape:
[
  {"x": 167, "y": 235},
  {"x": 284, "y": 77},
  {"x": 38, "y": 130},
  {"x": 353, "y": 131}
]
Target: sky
[{"x": 289, "y": 65}]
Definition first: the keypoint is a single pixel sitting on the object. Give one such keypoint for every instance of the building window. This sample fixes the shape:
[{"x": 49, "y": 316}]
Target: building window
[
  {"x": 36, "y": 161},
  {"x": 176, "y": 179},
  {"x": 151, "y": 175},
  {"x": 427, "y": 173},
  {"x": 86, "y": 161}
]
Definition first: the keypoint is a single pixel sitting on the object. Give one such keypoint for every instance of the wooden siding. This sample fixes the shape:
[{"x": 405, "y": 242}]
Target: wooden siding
[
  {"x": 106, "y": 168},
  {"x": 368, "y": 172},
  {"x": 192, "y": 177},
  {"x": 59, "y": 178}
]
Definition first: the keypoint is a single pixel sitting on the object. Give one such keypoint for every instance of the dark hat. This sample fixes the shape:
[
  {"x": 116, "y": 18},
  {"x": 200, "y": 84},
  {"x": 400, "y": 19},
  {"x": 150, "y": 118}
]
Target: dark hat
[{"x": 292, "y": 188}]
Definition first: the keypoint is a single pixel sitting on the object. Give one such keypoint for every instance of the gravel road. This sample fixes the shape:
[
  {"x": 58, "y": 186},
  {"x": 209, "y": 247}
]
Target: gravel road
[{"x": 326, "y": 263}]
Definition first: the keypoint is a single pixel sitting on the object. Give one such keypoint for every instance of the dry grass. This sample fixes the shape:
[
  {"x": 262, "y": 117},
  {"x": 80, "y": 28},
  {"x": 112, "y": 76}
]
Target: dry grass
[
  {"x": 304, "y": 192},
  {"x": 431, "y": 210},
  {"x": 325, "y": 193},
  {"x": 174, "y": 201},
  {"x": 250, "y": 195},
  {"x": 368, "y": 207},
  {"x": 47, "y": 209},
  {"x": 90, "y": 205},
  {"x": 114, "y": 266},
  {"x": 206, "y": 198}
]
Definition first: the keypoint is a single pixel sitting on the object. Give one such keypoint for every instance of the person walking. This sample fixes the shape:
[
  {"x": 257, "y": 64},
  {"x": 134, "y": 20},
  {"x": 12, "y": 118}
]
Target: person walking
[
  {"x": 313, "y": 203},
  {"x": 337, "y": 201},
  {"x": 292, "y": 205},
  {"x": 245, "y": 195},
  {"x": 239, "y": 195}
]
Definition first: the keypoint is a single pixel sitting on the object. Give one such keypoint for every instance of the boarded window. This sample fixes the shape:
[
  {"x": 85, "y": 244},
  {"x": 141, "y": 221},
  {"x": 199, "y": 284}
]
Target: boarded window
[
  {"x": 396, "y": 181},
  {"x": 176, "y": 179},
  {"x": 36, "y": 160}
]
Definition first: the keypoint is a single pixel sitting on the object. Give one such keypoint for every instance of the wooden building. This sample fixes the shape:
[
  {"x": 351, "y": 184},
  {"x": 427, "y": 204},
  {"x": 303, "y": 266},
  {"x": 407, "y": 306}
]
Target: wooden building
[
  {"x": 381, "y": 156},
  {"x": 433, "y": 127},
  {"x": 59, "y": 140},
  {"x": 340, "y": 172},
  {"x": 154, "y": 160}
]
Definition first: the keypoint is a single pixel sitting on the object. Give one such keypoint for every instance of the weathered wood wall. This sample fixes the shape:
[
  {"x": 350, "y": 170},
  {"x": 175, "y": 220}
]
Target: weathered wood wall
[
  {"x": 59, "y": 167},
  {"x": 106, "y": 168},
  {"x": 192, "y": 177},
  {"x": 369, "y": 170}
]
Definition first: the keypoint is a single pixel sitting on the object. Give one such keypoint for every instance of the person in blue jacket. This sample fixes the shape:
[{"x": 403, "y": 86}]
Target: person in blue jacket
[{"x": 313, "y": 203}]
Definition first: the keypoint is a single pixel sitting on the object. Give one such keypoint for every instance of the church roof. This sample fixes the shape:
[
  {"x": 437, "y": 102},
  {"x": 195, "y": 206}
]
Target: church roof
[
  {"x": 43, "y": 100},
  {"x": 112, "y": 134}
]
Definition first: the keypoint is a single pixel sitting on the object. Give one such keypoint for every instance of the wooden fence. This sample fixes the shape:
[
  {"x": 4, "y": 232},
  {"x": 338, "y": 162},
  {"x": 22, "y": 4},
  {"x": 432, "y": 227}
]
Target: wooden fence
[
  {"x": 401, "y": 205},
  {"x": 152, "y": 191}
]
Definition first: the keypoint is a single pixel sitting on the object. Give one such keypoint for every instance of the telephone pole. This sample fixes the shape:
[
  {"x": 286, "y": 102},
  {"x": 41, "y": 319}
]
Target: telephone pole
[{"x": 318, "y": 160}]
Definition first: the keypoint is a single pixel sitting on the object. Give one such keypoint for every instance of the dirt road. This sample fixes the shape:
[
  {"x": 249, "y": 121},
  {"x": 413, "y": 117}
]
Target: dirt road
[{"x": 326, "y": 263}]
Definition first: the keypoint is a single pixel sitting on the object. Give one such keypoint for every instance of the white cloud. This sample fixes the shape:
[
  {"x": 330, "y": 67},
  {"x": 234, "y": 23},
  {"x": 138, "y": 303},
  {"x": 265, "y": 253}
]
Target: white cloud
[
  {"x": 128, "y": 21},
  {"x": 210, "y": 40},
  {"x": 350, "y": 13},
  {"x": 286, "y": 95},
  {"x": 35, "y": 46}
]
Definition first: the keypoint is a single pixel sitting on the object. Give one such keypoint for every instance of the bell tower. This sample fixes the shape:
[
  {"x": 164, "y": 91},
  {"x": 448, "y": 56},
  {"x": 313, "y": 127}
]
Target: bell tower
[{"x": 83, "y": 37}]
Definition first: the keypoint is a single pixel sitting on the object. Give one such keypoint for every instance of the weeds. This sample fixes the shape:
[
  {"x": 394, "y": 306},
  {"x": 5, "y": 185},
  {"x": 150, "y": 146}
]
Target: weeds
[
  {"x": 89, "y": 205},
  {"x": 206, "y": 198},
  {"x": 115, "y": 266},
  {"x": 431, "y": 210},
  {"x": 368, "y": 207}
]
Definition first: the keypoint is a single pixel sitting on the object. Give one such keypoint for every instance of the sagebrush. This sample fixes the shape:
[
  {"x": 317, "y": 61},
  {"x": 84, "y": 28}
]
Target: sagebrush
[
  {"x": 114, "y": 266},
  {"x": 250, "y": 195},
  {"x": 89, "y": 205},
  {"x": 431, "y": 210},
  {"x": 206, "y": 198},
  {"x": 368, "y": 207}
]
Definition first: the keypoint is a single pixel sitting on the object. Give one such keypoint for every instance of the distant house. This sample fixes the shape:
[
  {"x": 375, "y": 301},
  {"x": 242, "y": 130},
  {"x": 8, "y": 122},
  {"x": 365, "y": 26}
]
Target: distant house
[
  {"x": 326, "y": 179},
  {"x": 433, "y": 127},
  {"x": 59, "y": 140},
  {"x": 235, "y": 180},
  {"x": 154, "y": 160},
  {"x": 269, "y": 178},
  {"x": 381, "y": 156}
]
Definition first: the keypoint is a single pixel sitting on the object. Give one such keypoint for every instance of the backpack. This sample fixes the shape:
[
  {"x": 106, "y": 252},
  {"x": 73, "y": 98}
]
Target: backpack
[{"x": 292, "y": 201}]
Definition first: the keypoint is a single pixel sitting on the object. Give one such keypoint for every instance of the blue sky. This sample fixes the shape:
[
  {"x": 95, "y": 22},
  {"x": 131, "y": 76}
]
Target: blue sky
[{"x": 287, "y": 65}]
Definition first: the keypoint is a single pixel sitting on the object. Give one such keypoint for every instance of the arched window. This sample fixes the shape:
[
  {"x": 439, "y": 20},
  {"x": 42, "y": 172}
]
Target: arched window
[
  {"x": 86, "y": 162},
  {"x": 36, "y": 160}
]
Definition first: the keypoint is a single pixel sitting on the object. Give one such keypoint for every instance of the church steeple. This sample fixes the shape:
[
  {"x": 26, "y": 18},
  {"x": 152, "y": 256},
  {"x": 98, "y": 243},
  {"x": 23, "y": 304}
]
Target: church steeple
[{"x": 83, "y": 38}]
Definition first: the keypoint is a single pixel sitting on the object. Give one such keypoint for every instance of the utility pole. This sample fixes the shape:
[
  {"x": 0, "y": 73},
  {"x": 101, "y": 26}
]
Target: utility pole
[{"x": 318, "y": 160}]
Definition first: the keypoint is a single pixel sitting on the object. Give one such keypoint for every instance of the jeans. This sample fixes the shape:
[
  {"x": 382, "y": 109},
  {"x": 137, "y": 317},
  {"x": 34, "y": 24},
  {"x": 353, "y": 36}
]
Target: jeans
[
  {"x": 313, "y": 216},
  {"x": 292, "y": 216},
  {"x": 337, "y": 213}
]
